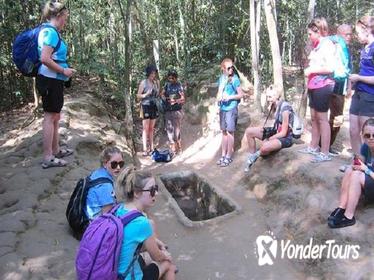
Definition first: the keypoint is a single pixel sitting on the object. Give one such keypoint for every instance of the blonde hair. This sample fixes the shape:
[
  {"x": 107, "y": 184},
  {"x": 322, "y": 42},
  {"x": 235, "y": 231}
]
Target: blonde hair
[
  {"x": 53, "y": 9},
  {"x": 319, "y": 24},
  {"x": 366, "y": 22},
  {"x": 131, "y": 181},
  {"x": 224, "y": 61},
  {"x": 108, "y": 153}
]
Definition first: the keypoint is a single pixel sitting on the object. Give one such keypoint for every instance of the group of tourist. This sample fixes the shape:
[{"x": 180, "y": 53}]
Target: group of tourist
[
  {"x": 138, "y": 190},
  {"x": 327, "y": 92}
]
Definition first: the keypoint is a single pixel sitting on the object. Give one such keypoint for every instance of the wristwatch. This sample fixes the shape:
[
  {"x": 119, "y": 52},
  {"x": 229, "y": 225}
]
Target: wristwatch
[{"x": 368, "y": 172}]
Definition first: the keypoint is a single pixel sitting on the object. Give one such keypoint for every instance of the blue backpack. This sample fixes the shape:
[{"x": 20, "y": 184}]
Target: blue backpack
[
  {"x": 342, "y": 60},
  {"x": 161, "y": 156},
  {"x": 25, "y": 50}
]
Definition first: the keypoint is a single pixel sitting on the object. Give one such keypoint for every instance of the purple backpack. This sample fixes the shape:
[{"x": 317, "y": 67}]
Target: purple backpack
[{"x": 100, "y": 247}]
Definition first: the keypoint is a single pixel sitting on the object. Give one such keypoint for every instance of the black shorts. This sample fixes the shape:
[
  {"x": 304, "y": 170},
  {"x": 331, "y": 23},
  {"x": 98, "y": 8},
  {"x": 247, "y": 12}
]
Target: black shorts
[
  {"x": 52, "y": 93},
  {"x": 362, "y": 104},
  {"x": 149, "y": 112},
  {"x": 150, "y": 272},
  {"x": 369, "y": 188},
  {"x": 319, "y": 99},
  {"x": 286, "y": 142}
]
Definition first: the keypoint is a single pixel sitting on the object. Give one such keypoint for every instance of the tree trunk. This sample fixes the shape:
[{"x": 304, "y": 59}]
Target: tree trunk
[
  {"x": 271, "y": 21},
  {"x": 304, "y": 98},
  {"x": 129, "y": 122},
  {"x": 255, "y": 52}
]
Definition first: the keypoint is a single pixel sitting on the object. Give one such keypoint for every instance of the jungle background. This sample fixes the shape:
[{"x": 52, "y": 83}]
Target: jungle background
[{"x": 115, "y": 40}]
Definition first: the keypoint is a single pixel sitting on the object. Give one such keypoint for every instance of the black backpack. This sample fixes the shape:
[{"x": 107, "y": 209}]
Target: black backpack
[{"x": 75, "y": 213}]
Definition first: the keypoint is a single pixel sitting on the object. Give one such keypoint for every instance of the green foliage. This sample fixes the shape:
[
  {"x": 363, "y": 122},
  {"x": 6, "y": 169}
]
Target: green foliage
[{"x": 192, "y": 35}]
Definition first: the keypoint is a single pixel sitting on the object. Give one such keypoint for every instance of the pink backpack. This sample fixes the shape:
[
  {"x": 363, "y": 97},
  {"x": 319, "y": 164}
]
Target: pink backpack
[{"x": 100, "y": 247}]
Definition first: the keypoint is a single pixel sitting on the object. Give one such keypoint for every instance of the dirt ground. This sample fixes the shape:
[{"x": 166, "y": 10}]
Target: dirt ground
[{"x": 292, "y": 200}]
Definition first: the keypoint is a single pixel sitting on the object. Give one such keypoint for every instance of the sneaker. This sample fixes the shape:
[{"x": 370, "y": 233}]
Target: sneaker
[
  {"x": 250, "y": 161},
  {"x": 338, "y": 213},
  {"x": 226, "y": 162},
  {"x": 343, "y": 222},
  {"x": 309, "y": 150},
  {"x": 220, "y": 160},
  {"x": 321, "y": 157},
  {"x": 333, "y": 153},
  {"x": 344, "y": 167}
]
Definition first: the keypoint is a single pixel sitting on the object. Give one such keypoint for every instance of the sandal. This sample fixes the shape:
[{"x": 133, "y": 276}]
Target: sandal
[
  {"x": 64, "y": 153},
  {"x": 54, "y": 162},
  {"x": 226, "y": 162},
  {"x": 220, "y": 160}
]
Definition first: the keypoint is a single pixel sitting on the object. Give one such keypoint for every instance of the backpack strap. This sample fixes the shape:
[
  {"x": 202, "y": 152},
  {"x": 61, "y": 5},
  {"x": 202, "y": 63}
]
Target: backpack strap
[
  {"x": 132, "y": 263},
  {"x": 58, "y": 34},
  {"x": 98, "y": 181},
  {"x": 126, "y": 219}
]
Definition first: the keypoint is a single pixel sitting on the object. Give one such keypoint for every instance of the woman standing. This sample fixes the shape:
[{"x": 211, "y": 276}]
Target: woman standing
[
  {"x": 320, "y": 88},
  {"x": 174, "y": 97},
  {"x": 139, "y": 190},
  {"x": 148, "y": 90},
  {"x": 52, "y": 74},
  {"x": 362, "y": 104}
]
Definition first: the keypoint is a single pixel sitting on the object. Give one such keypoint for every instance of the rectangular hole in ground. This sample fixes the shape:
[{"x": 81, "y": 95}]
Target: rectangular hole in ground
[{"x": 196, "y": 198}]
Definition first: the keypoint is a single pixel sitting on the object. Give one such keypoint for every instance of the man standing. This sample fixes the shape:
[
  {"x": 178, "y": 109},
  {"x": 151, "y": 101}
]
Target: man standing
[
  {"x": 228, "y": 96},
  {"x": 342, "y": 88}
]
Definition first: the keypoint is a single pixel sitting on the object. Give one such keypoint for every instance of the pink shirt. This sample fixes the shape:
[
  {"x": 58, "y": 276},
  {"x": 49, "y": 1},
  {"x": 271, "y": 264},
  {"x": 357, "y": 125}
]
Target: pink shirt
[{"x": 321, "y": 56}]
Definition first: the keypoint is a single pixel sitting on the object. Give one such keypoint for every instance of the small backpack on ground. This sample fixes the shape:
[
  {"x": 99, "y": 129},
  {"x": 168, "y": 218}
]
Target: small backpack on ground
[
  {"x": 25, "y": 50},
  {"x": 99, "y": 250},
  {"x": 161, "y": 156},
  {"x": 296, "y": 124},
  {"x": 75, "y": 211}
]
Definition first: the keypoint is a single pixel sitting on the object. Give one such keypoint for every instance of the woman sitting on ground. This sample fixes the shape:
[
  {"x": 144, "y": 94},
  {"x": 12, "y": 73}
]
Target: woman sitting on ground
[
  {"x": 358, "y": 179},
  {"x": 139, "y": 190},
  {"x": 273, "y": 138},
  {"x": 101, "y": 197}
]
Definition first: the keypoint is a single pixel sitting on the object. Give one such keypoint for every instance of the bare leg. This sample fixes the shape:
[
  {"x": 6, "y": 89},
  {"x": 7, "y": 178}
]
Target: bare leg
[
  {"x": 270, "y": 146},
  {"x": 145, "y": 134},
  {"x": 325, "y": 131},
  {"x": 151, "y": 132},
  {"x": 56, "y": 136},
  {"x": 167, "y": 270},
  {"x": 345, "y": 188},
  {"x": 354, "y": 132},
  {"x": 48, "y": 134},
  {"x": 251, "y": 133},
  {"x": 316, "y": 134},
  {"x": 355, "y": 187},
  {"x": 230, "y": 144},
  {"x": 224, "y": 143}
]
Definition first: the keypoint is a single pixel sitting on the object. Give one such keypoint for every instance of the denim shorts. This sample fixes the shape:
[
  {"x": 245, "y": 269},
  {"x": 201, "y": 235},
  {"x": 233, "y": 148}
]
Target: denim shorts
[
  {"x": 228, "y": 119},
  {"x": 362, "y": 104}
]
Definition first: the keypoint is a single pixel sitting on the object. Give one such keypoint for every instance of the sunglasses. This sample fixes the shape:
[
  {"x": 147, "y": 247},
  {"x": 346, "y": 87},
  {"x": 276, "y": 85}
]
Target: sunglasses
[
  {"x": 229, "y": 68},
  {"x": 368, "y": 135},
  {"x": 114, "y": 164},
  {"x": 152, "y": 190}
]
